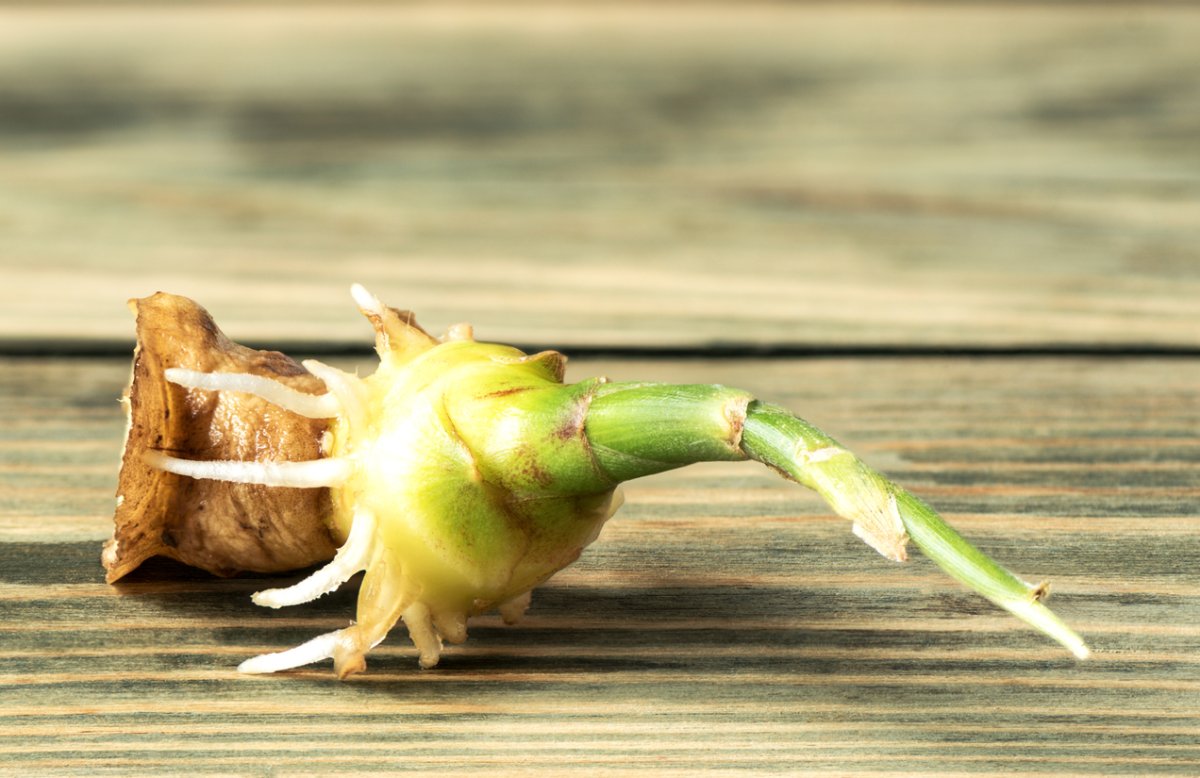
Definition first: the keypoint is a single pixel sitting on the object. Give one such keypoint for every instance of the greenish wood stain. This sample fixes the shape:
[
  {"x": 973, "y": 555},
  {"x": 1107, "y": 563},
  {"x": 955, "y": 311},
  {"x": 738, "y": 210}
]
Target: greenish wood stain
[
  {"x": 570, "y": 175},
  {"x": 724, "y": 621}
]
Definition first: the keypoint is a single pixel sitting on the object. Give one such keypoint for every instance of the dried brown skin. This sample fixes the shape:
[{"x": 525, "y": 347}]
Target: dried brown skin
[{"x": 224, "y": 528}]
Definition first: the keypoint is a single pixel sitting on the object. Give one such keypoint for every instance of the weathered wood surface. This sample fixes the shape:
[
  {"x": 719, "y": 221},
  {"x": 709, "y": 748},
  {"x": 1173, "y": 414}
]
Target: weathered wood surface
[
  {"x": 724, "y": 622},
  {"x": 638, "y": 174}
]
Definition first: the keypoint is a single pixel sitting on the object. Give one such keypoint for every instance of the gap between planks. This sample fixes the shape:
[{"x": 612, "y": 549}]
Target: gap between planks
[
  {"x": 584, "y": 649},
  {"x": 580, "y": 723},
  {"x": 656, "y": 677}
]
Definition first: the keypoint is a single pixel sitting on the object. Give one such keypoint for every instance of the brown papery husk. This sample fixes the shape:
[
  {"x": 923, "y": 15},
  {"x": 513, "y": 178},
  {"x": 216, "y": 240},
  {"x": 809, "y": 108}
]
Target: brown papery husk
[{"x": 221, "y": 527}]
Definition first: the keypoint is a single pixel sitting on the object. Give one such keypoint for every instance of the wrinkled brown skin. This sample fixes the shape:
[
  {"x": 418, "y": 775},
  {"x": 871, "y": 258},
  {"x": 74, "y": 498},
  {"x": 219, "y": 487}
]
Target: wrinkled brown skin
[{"x": 224, "y": 528}]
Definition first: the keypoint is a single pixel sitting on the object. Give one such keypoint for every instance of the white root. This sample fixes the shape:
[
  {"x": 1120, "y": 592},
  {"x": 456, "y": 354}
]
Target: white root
[
  {"x": 313, "y": 406},
  {"x": 349, "y": 391},
  {"x": 304, "y": 475},
  {"x": 513, "y": 610},
  {"x": 367, "y": 302},
  {"x": 320, "y": 647},
  {"x": 451, "y": 625},
  {"x": 419, "y": 621},
  {"x": 460, "y": 331},
  {"x": 351, "y": 558}
]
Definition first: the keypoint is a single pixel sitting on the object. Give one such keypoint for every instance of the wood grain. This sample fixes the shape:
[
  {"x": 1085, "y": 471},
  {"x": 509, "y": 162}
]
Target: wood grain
[
  {"x": 644, "y": 174},
  {"x": 723, "y": 624}
]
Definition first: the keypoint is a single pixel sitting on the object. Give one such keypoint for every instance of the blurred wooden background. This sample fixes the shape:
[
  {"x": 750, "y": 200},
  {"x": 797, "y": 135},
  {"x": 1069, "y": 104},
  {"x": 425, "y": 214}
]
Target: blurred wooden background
[
  {"x": 878, "y": 181},
  {"x": 598, "y": 174}
]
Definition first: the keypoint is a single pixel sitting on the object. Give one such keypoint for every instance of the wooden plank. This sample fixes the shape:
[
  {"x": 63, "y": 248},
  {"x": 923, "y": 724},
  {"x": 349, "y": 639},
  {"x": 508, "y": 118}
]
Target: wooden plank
[
  {"x": 658, "y": 174},
  {"x": 722, "y": 624}
]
